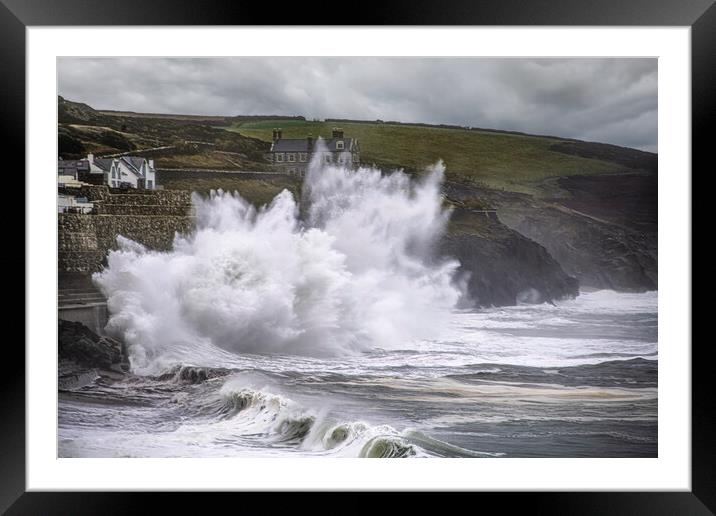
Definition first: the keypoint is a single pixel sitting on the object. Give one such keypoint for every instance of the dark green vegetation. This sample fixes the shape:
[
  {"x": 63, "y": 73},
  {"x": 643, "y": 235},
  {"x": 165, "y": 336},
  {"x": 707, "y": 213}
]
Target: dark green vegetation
[
  {"x": 562, "y": 208},
  {"x": 495, "y": 159},
  {"x": 173, "y": 142}
]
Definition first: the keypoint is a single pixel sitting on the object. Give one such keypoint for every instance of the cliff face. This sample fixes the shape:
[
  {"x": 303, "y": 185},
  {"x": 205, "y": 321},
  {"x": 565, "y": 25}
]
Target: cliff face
[
  {"x": 500, "y": 267},
  {"x": 601, "y": 230},
  {"x": 599, "y": 254}
]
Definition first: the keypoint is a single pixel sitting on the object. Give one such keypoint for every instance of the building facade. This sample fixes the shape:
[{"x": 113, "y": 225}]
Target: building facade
[
  {"x": 293, "y": 155},
  {"x": 132, "y": 172},
  {"x": 122, "y": 172}
]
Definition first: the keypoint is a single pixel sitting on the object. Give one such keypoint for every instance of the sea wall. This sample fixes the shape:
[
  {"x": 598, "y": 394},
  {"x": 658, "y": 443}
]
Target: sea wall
[{"x": 151, "y": 218}]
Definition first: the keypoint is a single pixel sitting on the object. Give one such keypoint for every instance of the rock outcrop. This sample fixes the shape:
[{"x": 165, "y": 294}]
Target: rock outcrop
[
  {"x": 80, "y": 345},
  {"x": 598, "y": 253},
  {"x": 601, "y": 230},
  {"x": 500, "y": 267}
]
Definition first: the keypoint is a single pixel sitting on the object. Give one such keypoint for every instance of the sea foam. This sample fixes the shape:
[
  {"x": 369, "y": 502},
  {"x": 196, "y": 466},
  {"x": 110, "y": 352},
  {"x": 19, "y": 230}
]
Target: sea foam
[{"x": 356, "y": 270}]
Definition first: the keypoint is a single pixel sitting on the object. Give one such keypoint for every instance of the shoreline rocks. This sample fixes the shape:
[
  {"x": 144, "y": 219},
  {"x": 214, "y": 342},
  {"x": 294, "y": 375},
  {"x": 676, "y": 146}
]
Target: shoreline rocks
[{"x": 79, "y": 345}]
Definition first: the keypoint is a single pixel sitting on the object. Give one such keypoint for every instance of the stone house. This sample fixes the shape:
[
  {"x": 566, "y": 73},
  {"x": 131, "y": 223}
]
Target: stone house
[{"x": 292, "y": 155}]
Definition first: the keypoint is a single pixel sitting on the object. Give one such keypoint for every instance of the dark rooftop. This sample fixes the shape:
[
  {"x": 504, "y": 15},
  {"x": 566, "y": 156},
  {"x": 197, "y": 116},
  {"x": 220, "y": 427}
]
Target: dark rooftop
[
  {"x": 301, "y": 144},
  {"x": 103, "y": 163},
  {"x": 133, "y": 161},
  {"x": 72, "y": 166}
]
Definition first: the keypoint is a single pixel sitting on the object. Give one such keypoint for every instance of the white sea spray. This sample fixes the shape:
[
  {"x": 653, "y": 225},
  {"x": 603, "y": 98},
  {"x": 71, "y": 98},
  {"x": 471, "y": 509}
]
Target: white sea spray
[{"x": 356, "y": 271}]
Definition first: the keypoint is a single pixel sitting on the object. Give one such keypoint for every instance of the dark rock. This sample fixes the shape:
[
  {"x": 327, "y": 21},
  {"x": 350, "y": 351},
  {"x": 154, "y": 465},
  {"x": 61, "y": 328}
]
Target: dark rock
[
  {"x": 500, "y": 267},
  {"x": 601, "y": 230},
  {"x": 192, "y": 374},
  {"x": 598, "y": 253},
  {"x": 81, "y": 345}
]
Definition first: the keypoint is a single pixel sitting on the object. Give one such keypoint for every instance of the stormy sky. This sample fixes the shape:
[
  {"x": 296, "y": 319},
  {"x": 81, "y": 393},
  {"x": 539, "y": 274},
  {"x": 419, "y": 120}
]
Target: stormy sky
[{"x": 604, "y": 100}]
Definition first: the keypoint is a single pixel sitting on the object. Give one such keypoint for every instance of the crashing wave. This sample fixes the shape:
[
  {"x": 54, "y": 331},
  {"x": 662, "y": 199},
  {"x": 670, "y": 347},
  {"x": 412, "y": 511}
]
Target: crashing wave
[
  {"x": 355, "y": 272},
  {"x": 273, "y": 419}
]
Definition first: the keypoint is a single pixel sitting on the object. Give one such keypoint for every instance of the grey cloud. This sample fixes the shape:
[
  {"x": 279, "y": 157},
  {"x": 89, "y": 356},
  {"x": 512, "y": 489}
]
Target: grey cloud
[{"x": 606, "y": 100}]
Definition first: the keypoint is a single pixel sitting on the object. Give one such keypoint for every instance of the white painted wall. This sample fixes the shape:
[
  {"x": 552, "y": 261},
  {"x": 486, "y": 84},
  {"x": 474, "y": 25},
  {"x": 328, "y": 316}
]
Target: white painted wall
[{"x": 121, "y": 172}]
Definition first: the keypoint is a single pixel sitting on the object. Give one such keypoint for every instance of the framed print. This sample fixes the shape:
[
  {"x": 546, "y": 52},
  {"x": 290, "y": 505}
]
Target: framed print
[{"x": 461, "y": 239}]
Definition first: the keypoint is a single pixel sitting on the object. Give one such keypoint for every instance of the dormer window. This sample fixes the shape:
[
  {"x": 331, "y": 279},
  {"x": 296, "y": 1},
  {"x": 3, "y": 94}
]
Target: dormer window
[{"x": 339, "y": 146}]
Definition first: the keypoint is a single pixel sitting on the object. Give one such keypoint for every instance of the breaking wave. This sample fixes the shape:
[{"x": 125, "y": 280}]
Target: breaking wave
[
  {"x": 355, "y": 271},
  {"x": 241, "y": 412}
]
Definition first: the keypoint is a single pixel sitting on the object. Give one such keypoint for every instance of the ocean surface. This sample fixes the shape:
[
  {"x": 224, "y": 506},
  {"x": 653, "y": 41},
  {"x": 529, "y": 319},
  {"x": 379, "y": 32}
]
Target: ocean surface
[{"x": 574, "y": 379}]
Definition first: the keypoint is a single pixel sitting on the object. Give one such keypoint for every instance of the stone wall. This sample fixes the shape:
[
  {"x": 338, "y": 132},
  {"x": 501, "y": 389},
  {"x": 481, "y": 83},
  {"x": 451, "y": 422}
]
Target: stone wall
[{"x": 149, "y": 217}]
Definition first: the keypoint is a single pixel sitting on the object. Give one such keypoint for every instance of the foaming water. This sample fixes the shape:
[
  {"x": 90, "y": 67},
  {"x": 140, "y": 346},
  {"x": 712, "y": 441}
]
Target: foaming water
[
  {"x": 356, "y": 272},
  {"x": 581, "y": 383}
]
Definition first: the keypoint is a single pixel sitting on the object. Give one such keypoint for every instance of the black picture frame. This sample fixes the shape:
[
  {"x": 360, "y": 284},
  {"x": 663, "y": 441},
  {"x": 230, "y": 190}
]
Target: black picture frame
[{"x": 17, "y": 15}]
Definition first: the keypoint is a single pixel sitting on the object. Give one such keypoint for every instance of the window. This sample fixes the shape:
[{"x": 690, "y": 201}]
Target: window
[
  {"x": 328, "y": 158},
  {"x": 150, "y": 184},
  {"x": 279, "y": 156},
  {"x": 303, "y": 156},
  {"x": 291, "y": 157},
  {"x": 339, "y": 145}
]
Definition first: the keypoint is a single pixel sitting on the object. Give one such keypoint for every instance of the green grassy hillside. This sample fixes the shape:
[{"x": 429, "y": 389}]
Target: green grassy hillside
[
  {"x": 498, "y": 160},
  {"x": 502, "y": 160}
]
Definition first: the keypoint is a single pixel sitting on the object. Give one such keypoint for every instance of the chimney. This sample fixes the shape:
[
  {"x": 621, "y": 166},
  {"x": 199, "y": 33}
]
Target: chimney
[
  {"x": 279, "y": 133},
  {"x": 310, "y": 142},
  {"x": 337, "y": 133},
  {"x": 151, "y": 163},
  {"x": 273, "y": 135},
  {"x": 90, "y": 158}
]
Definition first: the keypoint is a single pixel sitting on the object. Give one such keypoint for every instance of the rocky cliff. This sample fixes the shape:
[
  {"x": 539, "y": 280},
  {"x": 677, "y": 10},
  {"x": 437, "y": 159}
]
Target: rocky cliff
[
  {"x": 600, "y": 254},
  {"x": 601, "y": 230},
  {"x": 499, "y": 266}
]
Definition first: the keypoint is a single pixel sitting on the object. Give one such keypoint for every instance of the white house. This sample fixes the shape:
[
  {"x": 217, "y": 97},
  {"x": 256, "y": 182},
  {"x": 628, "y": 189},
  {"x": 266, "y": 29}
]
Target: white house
[
  {"x": 132, "y": 171},
  {"x": 126, "y": 171}
]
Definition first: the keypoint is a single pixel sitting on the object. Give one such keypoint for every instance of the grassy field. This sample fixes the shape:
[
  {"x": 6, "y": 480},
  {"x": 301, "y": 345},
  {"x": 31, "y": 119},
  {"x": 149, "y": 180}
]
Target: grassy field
[
  {"x": 499, "y": 160},
  {"x": 257, "y": 191}
]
